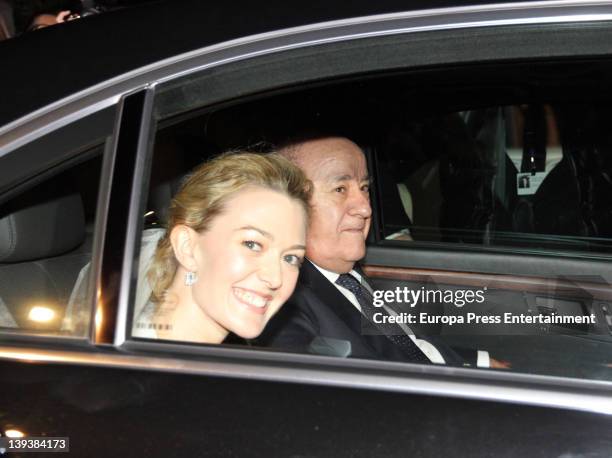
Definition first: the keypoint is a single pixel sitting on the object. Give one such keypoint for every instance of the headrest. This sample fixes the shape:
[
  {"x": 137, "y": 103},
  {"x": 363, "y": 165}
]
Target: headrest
[{"x": 44, "y": 222}]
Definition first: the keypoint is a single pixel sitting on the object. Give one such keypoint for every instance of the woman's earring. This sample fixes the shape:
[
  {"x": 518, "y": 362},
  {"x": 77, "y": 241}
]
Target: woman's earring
[{"x": 190, "y": 278}]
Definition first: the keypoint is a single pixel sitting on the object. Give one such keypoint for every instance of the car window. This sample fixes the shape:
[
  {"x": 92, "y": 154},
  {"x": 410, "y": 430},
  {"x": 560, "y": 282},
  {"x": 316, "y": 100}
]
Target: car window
[
  {"x": 490, "y": 228},
  {"x": 533, "y": 176},
  {"x": 46, "y": 235}
]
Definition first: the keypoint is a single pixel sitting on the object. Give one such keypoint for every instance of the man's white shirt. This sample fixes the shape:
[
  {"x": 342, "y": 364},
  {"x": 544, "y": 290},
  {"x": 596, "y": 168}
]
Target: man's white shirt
[{"x": 427, "y": 348}]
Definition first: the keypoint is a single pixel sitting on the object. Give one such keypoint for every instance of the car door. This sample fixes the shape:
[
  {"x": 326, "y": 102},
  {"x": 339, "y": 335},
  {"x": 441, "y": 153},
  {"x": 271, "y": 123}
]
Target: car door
[{"x": 89, "y": 377}]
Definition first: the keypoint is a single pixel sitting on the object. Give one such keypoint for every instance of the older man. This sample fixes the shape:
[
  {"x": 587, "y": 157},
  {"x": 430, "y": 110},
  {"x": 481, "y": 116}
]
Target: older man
[{"x": 331, "y": 309}]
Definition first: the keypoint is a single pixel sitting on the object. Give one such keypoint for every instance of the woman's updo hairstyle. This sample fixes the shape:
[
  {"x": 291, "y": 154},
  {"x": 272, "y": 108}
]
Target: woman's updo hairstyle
[{"x": 205, "y": 191}]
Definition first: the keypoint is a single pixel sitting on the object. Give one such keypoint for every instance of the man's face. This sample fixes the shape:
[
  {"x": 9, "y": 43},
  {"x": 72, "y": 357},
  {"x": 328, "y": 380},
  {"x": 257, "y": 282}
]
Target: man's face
[{"x": 341, "y": 210}]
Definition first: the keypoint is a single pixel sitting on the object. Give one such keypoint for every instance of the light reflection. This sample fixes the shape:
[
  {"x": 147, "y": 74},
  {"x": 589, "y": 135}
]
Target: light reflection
[
  {"x": 98, "y": 319},
  {"x": 14, "y": 433},
  {"x": 41, "y": 314},
  {"x": 26, "y": 357}
]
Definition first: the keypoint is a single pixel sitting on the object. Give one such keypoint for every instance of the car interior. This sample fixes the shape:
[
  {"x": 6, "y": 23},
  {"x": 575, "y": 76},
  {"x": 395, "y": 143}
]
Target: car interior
[
  {"x": 450, "y": 159},
  {"x": 46, "y": 240}
]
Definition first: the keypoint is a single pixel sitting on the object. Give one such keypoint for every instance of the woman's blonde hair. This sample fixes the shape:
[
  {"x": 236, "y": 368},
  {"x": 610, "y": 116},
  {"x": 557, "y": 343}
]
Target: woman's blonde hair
[{"x": 205, "y": 191}]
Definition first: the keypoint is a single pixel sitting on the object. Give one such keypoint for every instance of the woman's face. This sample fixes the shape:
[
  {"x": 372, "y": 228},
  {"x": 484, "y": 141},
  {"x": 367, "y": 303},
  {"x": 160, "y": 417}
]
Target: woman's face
[{"x": 248, "y": 260}]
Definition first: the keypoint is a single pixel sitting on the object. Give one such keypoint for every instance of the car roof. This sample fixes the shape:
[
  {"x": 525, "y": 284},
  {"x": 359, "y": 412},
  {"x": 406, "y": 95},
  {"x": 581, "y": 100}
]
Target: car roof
[{"x": 50, "y": 64}]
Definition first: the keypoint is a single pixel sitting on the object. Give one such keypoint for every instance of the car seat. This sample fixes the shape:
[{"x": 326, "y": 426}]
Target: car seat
[
  {"x": 43, "y": 246},
  {"x": 469, "y": 169}
]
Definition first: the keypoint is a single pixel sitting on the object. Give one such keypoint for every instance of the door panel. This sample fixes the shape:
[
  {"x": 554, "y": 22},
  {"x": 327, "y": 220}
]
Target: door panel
[
  {"x": 569, "y": 349},
  {"x": 112, "y": 412}
]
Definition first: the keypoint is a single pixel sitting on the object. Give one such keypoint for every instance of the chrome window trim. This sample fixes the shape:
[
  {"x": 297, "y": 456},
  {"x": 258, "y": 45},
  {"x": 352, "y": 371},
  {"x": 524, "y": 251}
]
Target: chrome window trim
[
  {"x": 37, "y": 158},
  {"x": 83, "y": 103},
  {"x": 104, "y": 197},
  {"x": 536, "y": 390},
  {"x": 144, "y": 153}
]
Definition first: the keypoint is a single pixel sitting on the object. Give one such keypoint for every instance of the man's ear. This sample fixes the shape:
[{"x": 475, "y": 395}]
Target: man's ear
[{"x": 184, "y": 242}]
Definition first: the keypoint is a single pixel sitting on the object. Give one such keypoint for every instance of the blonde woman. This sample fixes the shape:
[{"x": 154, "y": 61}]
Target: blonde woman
[{"x": 231, "y": 253}]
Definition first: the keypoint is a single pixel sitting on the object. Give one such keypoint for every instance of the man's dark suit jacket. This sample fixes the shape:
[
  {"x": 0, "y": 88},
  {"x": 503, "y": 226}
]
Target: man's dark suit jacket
[{"x": 318, "y": 309}]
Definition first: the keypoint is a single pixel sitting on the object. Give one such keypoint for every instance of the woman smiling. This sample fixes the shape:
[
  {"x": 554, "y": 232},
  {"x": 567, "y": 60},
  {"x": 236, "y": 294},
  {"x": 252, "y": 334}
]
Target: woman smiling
[{"x": 231, "y": 254}]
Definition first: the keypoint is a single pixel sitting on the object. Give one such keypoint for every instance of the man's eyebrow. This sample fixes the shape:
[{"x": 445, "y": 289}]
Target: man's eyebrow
[
  {"x": 334, "y": 178},
  {"x": 346, "y": 177},
  {"x": 266, "y": 234}
]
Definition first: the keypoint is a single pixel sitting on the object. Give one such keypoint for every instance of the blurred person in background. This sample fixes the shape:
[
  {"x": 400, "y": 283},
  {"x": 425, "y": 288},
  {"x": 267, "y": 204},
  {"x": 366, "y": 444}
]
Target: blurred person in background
[{"x": 30, "y": 15}]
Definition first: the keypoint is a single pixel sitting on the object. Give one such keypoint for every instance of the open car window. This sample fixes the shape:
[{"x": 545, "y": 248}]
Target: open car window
[{"x": 499, "y": 189}]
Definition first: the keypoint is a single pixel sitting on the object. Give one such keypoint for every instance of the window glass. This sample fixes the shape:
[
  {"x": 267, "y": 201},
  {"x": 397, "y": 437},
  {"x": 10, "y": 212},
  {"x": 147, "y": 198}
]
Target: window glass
[
  {"x": 532, "y": 175},
  {"x": 178, "y": 150},
  {"x": 46, "y": 235},
  {"x": 446, "y": 171}
]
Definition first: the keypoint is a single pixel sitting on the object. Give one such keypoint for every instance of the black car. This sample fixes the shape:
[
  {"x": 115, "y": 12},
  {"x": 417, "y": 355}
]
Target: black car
[{"x": 487, "y": 133}]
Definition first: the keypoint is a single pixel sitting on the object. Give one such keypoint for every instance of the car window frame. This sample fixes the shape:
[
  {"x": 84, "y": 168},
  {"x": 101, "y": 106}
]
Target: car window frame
[
  {"x": 269, "y": 364},
  {"x": 62, "y": 149}
]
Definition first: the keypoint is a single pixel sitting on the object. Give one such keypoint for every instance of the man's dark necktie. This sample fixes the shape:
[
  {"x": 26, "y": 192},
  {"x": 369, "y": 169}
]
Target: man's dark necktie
[{"x": 391, "y": 331}]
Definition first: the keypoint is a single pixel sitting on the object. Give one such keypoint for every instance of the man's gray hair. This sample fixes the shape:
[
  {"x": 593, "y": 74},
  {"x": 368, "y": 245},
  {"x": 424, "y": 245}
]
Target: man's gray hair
[
  {"x": 290, "y": 147},
  {"x": 291, "y": 152}
]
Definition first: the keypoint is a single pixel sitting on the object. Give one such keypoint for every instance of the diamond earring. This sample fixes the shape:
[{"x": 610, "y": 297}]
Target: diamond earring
[{"x": 190, "y": 278}]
